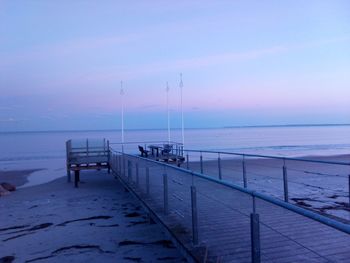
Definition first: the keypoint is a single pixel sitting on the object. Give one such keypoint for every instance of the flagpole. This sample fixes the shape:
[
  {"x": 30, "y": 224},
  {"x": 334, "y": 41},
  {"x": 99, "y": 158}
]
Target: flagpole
[
  {"x": 122, "y": 102},
  {"x": 167, "y": 106},
  {"x": 182, "y": 113}
]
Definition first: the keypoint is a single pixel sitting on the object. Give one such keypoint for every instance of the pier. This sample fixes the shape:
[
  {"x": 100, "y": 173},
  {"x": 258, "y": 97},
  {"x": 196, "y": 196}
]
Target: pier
[{"x": 215, "y": 221}]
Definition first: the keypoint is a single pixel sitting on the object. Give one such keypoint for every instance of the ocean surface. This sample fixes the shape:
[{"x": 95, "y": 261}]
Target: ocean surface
[{"x": 280, "y": 141}]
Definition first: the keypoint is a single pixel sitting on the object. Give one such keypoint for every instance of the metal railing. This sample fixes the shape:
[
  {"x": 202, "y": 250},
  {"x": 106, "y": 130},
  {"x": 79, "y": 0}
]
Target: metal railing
[
  {"x": 219, "y": 221},
  {"x": 304, "y": 181}
]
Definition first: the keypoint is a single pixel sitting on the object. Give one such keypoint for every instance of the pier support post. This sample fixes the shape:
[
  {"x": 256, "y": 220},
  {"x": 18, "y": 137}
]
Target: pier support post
[
  {"x": 285, "y": 182},
  {"x": 165, "y": 191},
  {"x": 244, "y": 173},
  {"x": 76, "y": 178},
  {"x": 147, "y": 180},
  {"x": 219, "y": 167},
  {"x": 255, "y": 237},
  {"x": 194, "y": 216},
  {"x": 201, "y": 163},
  {"x": 68, "y": 175}
]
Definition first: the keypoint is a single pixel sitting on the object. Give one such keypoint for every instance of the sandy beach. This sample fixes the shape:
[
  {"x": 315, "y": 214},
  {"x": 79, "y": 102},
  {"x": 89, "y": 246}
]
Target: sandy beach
[{"x": 99, "y": 222}]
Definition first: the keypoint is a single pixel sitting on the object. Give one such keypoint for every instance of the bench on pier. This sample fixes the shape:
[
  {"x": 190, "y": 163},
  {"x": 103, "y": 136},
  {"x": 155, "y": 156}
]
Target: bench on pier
[
  {"x": 87, "y": 154},
  {"x": 144, "y": 153}
]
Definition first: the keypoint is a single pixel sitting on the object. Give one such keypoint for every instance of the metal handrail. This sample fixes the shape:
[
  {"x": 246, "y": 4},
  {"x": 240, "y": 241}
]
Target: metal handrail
[
  {"x": 301, "y": 211},
  {"x": 143, "y": 142},
  {"x": 269, "y": 157}
]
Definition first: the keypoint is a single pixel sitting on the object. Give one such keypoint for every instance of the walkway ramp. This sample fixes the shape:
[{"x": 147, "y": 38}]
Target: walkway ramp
[{"x": 217, "y": 222}]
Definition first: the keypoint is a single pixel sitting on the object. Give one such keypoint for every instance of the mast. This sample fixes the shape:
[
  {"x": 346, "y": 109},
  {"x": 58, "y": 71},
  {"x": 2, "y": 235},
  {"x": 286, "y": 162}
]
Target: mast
[
  {"x": 167, "y": 106},
  {"x": 122, "y": 102},
  {"x": 182, "y": 112}
]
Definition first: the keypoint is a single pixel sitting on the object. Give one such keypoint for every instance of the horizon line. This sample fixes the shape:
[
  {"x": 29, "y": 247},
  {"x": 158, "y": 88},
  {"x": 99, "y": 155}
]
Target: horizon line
[{"x": 153, "y": 129}]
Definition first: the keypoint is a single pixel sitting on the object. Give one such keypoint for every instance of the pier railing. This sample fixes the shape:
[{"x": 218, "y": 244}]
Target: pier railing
[
  {"x": 218, "y": 221},
  {"x": 313, "y": 181}
]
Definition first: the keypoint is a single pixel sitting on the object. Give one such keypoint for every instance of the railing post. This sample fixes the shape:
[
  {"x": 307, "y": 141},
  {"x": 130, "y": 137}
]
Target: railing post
[
  {"x": 188, "y": 161},
  {"x": 165, "y": 192},
  {"x": 129, "y": 171},
  {"x": 244, "y": 173},
  {"x": 147, "y": 180},
  {"x": 201, "y": 162},
  {"x": 194, "y": 216},
  {"x": 285, "y": 181},
  {"x": 255, "y": 237},
  {"x": 137, "y": 174},
  {"x": 219, "y": 166}
]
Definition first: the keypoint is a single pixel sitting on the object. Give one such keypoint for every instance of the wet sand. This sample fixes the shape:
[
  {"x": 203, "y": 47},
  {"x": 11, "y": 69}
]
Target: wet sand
[
  {"x": 98, "y": 222},
  {"x": 16, "y": 177}
]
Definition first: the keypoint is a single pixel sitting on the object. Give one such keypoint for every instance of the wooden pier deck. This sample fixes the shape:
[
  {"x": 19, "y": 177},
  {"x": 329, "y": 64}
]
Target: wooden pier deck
[{"x": 224, "y": 219}]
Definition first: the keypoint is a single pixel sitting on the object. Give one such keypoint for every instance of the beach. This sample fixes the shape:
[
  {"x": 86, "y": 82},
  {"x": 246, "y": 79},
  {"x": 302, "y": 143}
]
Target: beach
[{"x": 98, "y": 222}]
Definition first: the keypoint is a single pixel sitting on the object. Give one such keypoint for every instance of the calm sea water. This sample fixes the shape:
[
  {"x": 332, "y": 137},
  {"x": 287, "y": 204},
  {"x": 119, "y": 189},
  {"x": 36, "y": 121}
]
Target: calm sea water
[{"x": 281, "y": 141}]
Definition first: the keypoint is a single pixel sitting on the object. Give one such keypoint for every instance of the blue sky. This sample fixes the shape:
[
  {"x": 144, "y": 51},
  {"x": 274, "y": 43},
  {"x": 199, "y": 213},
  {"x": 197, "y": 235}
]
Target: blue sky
[{"x": 243, "y": 63}]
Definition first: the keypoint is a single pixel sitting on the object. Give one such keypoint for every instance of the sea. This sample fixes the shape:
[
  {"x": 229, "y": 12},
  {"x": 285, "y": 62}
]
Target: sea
[{"x": 289, "y": 141}]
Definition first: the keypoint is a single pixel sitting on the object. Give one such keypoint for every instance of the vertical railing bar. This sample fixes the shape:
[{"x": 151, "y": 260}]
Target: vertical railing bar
[
  {"x": 137, "y": 173},
  {"x": 255, "y": 237},
  {"x": 188, "y": 161},
  {"x": 285, "y": 181},
  {"x": 165, "y": 192},
  {"x": 194, "y": 216},
  {"x": 219, "y": 166},
  {"x": 147, "y": 180},
  {"x": 244, "y": 172},
  {"x": 129, "y": 172},
  {"x": 201, "y": 162}
]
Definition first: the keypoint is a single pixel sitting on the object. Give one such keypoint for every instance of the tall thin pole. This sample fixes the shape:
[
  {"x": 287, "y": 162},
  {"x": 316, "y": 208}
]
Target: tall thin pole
[
  {"x": 122, "y": 102},
  {"x": 182, "y": 113},
  {"x": 167, "y": 106}
]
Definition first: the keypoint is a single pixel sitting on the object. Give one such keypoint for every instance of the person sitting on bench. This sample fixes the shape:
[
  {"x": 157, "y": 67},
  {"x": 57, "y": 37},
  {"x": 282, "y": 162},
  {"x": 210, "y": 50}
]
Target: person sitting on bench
[{"x": 143, "y": 151}]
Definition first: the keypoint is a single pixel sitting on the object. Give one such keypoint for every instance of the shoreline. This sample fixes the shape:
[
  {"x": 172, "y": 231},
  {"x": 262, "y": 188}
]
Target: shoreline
[{"x": 17, "y": 178}]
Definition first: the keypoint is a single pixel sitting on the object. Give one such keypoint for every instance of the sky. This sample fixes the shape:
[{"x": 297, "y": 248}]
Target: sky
[{"x": 243, "y": 63}]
